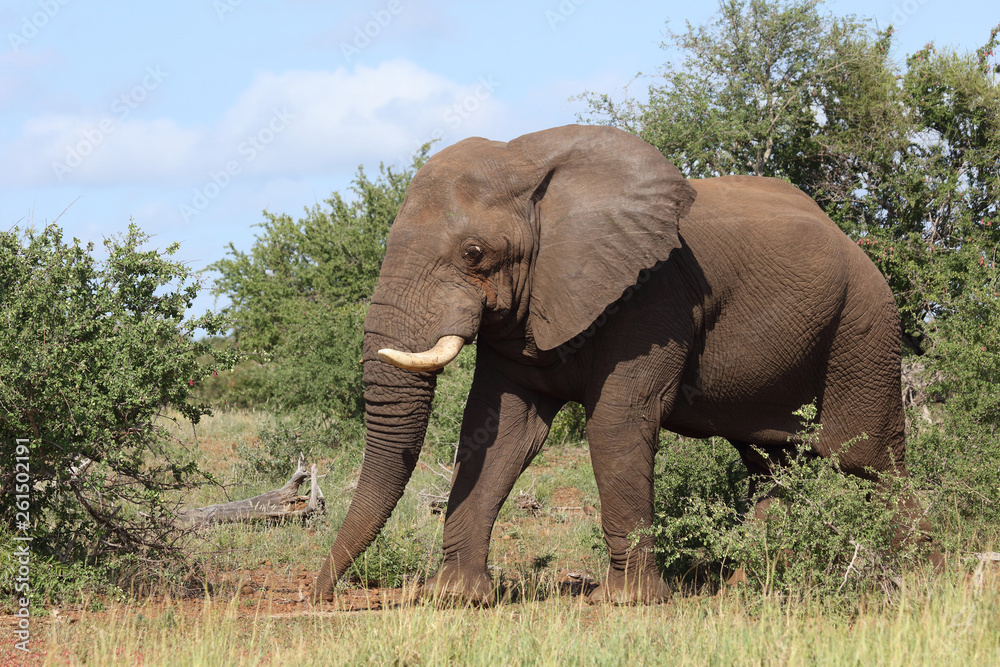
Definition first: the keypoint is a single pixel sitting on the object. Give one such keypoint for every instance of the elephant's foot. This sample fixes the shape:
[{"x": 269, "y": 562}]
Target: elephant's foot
[
  {"x": 623, "y": 588},
  {"x": 453, "y": 584}
]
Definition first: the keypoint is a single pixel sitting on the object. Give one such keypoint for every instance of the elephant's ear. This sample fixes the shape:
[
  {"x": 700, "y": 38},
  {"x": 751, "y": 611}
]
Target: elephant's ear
[{"x": 606, "y": 206}]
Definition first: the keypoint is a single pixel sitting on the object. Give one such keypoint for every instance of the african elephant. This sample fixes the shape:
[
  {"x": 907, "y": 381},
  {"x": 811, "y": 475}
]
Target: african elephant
[{"x": 590, "y": 270}]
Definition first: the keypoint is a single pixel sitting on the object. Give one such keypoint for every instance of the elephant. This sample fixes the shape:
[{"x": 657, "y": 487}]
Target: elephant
[{"x": 585, "y": 267}]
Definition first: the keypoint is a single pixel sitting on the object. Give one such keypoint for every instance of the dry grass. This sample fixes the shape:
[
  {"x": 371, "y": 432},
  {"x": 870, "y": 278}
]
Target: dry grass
[
  {"x": 943, "y": 621},
  {"x": 251, "y": 607}
]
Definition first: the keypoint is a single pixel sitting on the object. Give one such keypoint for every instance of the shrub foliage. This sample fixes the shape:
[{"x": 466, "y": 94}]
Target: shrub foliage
[
  {"x": 824, "y": 534},
  {"x": 91, "y": 353}
]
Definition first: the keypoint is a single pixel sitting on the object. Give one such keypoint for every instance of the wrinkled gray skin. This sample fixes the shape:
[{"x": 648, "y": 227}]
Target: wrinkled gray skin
[{"x": 590, "y": 270}]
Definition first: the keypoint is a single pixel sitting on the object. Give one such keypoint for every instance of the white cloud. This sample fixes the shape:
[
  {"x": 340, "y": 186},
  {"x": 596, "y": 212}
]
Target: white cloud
[
  {"x": 99, "y": 150},
  {"x": 343, "y": 118},
  {"x": 283, "y": 124}
]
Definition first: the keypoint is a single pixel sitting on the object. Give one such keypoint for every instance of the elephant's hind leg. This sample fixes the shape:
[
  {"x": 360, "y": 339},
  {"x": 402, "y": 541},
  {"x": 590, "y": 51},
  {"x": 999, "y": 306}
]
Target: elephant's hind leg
[
  {"x": 862, "y": 409},
  {"x": 861, "y": 413}
]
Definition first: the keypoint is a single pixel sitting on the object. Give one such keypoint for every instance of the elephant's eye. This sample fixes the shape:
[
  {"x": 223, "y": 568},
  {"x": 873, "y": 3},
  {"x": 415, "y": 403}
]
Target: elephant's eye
[{"x": 473, "y": 254}]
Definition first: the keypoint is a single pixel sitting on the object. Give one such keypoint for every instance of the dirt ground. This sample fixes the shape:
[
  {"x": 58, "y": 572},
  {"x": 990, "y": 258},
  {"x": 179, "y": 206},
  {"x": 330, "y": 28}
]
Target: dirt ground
[
  {"x": 261, "y": 592},
  {"x": 532, "y": 540}
]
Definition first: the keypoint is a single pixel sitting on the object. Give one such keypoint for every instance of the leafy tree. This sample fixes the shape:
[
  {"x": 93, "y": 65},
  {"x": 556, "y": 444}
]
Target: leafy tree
[
  {"x": 745, "y": 98},
  {"x": 905, "y": 158},
  {"x": 301, "y": 293},
  {"x": 777, "y": 88},
  {"x": 91, "y": 353},
  {"x": 333, "y": 253},
  {"x": 928, "y": 214}
]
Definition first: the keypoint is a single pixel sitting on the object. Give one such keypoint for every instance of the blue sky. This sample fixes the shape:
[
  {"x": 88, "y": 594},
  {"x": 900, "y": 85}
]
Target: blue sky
[{"x": 191, "y": 117}]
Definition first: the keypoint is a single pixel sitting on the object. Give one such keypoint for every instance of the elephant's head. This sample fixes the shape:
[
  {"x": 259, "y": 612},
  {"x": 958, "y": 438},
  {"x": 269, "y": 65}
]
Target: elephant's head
[{"x": 530, "y": 239}]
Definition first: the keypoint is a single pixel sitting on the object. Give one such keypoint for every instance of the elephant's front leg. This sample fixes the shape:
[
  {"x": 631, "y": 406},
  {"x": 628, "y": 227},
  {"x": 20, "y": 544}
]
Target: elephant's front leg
[
  {"x": 503, "y": 428},
  {"x": 622, "y": 447}
]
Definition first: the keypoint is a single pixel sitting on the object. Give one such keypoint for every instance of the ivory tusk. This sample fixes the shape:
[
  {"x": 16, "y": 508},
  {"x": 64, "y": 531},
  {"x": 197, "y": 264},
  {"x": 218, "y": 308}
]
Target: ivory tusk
[{"x": 433, "y": 359}]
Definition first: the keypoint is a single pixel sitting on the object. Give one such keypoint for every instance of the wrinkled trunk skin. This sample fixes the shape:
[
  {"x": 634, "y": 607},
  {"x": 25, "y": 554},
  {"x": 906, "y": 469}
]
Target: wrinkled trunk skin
[
  {"x": 397, "y": 406},
  {"x": 411, "y": 309}
]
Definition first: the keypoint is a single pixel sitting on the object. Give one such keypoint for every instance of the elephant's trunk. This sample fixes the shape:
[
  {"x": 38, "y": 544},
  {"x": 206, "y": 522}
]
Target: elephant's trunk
[{"x": 397, "y": 407}]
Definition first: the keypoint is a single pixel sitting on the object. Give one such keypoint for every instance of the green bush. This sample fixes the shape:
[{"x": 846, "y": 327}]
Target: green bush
[
  {"x": 570, "y": 426},
  {"x": 391, "y": 560},
  {"x": 300, "y": 295},
  {"x": 957, "y": 454},
  {"x": 825, "y": 535},
  {"x": 701, "y": 489},
  {"x": 321, "y": 359},
  {"x": 957, "y": 462},
  {"x": 71, "y": 582},
  {"x": 273, "y": 455},
  {"x": 91, "y": 353},
  {"x": 245, "y": 386}
]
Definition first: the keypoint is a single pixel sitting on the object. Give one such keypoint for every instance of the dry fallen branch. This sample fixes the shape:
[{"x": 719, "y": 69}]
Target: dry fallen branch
[{"x": 276, "y": 505}]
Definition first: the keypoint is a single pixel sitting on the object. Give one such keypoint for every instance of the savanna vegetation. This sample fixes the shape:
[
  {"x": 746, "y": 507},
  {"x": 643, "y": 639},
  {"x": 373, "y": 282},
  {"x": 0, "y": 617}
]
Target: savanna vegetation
[{"x": 132, "y": 408}]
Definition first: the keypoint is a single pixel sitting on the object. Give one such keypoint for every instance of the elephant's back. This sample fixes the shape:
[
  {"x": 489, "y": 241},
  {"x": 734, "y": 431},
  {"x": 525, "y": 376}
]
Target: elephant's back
[
  {"x": 768, "y": 217},
  {"x": 756, "y": 199},
  {"x": 763, "y": 235}
]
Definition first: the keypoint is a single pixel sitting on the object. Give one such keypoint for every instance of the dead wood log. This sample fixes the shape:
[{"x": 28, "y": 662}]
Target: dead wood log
[{"x": 277, "y": 505}]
